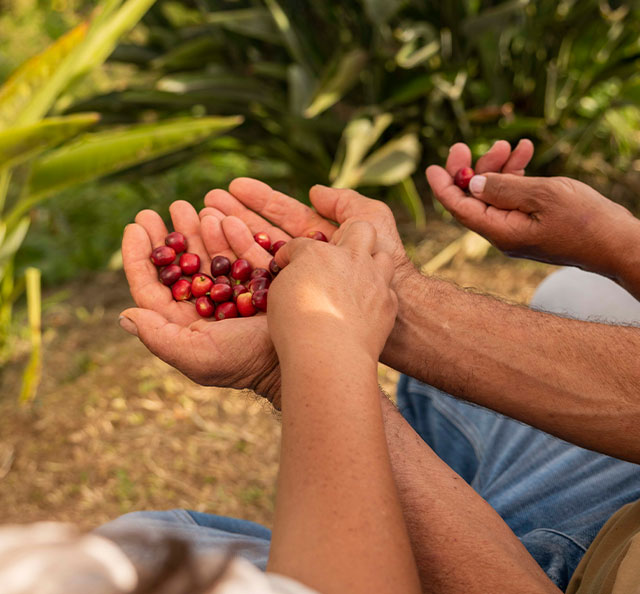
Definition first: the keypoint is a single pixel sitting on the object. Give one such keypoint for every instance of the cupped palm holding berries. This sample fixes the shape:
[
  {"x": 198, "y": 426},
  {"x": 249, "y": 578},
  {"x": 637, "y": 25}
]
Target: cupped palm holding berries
[{"x": 233, "y": 289}]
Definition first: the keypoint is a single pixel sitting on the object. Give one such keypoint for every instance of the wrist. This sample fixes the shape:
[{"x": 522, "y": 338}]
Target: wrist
[
  {"x": 410, "y": 287},
  {"x": 268, "y": 382},
  {"x": 625, "y": 256}
]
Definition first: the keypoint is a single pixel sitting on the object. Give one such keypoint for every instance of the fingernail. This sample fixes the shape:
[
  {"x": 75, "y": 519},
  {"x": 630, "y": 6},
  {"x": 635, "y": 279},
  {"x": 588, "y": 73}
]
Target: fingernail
[
  {"x": 127, "y": 325},
  {"x": 477, "y": 183}
]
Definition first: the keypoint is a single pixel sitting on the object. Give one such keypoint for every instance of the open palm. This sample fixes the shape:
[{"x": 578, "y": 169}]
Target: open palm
[{"x": 235, "y": 353}]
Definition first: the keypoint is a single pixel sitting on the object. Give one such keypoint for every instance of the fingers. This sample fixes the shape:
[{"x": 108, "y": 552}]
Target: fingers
[
  {"x": 495, "y": 158},
  {"x": 210, "y": 211},
  {"x": 470, "y": 211},
  {"x": 507, "y": 191},
  {"x": 358, "y": 236},
  {"x": 154, "y": 226},
  {"x": 290, "y": 250},
  {"x": 287, "y": 213},
  {"x": 459, "y": 157},
  {"x": 240, "y": 240},
  {"x": 147, "y": 291},
  {"x": 141, "y": 274},
  {"x": 340, "y": 204},
  {"x": 520, "y": 157},
  {"x": 213, "y": 236},
  {"x": 186, "y": 220},
  {"x": 384, "y": 264},
  {"x": 229, "y": 205},
  {"x": 163, "y": 338}
]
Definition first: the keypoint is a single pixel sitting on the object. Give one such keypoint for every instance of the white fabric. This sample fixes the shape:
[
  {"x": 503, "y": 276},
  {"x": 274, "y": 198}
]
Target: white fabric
[
  {"x": 52, "y": 558},
  {"x": 583, "y": 295}
]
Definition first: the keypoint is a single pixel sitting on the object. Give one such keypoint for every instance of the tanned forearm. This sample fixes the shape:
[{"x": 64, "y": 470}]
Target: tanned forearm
[
  {"x": 577, "y": 380},
  {"x": 338, "y": 524},
  {"x": 460, "y": 543}
]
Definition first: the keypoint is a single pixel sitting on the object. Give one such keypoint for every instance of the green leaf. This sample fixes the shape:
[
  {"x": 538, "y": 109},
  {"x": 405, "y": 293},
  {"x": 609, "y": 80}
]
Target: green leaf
[
  {"x": 35, "y": 87},
  {"x": 21, "y": 143},
  {"x": 411, "y": 199},
  {"x": 38, "y": 80},
  {"x": 13, "y": 240},
  {"x": 96, "y": 155},
  {"x": 357, "y": 139},
  {"x": 391, "y": 163},
  {"x": 102, "y": 40},
  {"x": 337, "y": 80}
]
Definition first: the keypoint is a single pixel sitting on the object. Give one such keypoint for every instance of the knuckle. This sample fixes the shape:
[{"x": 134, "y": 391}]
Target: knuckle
[{"x": 563, "y": 184}]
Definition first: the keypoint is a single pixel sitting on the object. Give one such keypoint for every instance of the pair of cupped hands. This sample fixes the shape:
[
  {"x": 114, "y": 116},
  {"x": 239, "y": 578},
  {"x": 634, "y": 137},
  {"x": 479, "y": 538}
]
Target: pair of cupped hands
[{"x": 346, "y": 289}]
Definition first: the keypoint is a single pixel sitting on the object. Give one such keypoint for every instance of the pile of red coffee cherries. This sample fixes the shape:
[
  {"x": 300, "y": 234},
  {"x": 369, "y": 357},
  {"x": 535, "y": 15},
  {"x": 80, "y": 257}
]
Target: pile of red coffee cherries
[{"x": 232, "y": 289}]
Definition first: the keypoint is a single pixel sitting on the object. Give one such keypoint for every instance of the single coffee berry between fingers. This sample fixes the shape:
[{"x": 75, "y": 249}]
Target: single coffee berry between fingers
[{"x": 463, "y": 177}]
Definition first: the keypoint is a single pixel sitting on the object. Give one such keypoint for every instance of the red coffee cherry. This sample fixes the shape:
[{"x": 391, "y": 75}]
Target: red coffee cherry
[{"x": 463, "y": 177}]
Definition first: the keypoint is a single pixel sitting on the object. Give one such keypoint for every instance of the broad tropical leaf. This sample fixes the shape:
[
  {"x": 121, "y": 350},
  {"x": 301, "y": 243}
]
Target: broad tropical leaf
[
  {"x": 13, "y": 239},
  {"x": 96, "y": 155},
  {"x": 357, "y": 139},
  {"x": 101, "y": 40},
  {"x": 391, "y": 163},
  {"x": 21, "y": 143},
  {"x": 33, "y": 79}
]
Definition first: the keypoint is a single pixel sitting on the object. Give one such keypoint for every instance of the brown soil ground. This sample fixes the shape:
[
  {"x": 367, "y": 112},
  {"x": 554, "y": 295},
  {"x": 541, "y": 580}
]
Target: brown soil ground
[{"x": 113, "y": 429}]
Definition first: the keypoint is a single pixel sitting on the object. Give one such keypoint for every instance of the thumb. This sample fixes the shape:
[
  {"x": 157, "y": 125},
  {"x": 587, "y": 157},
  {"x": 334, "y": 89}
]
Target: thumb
[
  {"x": 291, "y": 250},
  {"x": 159, "y": 335},
  {"x": 505, "y": 190}
]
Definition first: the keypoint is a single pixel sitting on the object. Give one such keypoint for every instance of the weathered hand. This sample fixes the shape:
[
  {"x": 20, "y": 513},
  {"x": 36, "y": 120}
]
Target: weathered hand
[
  {"x": 263, "y": 209},
  {"x": 556, "y": 220},
  {"x": 283, "y": 217},
  {"x": 331, "y": 295},
  {"x": 235, "y": 353}
]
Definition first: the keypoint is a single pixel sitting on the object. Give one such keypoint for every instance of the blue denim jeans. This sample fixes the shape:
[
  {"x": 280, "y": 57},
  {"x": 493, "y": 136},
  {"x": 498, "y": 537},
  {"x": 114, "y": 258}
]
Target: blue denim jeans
[{"x": 554, "y": 495}]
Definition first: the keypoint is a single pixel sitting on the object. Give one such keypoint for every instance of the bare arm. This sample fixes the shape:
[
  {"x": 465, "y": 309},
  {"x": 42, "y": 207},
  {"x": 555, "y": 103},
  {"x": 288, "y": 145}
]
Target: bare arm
[
  {"x": 338, "y": 524},
  {"x": 460, "y": 543},
  {"x": 577, "y": 380}
]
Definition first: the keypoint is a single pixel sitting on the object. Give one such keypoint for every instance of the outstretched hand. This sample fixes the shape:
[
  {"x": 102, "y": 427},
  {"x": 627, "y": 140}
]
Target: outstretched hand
[
  {"x": 235, "y": 353},
  {"x": 556, "y": 220},
  {"x": 262, "y": 208}
]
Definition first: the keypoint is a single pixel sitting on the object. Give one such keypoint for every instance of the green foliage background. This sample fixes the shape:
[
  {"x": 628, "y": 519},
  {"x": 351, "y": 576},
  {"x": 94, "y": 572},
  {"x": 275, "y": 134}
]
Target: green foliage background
[{"x": 358, "y": 92}]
